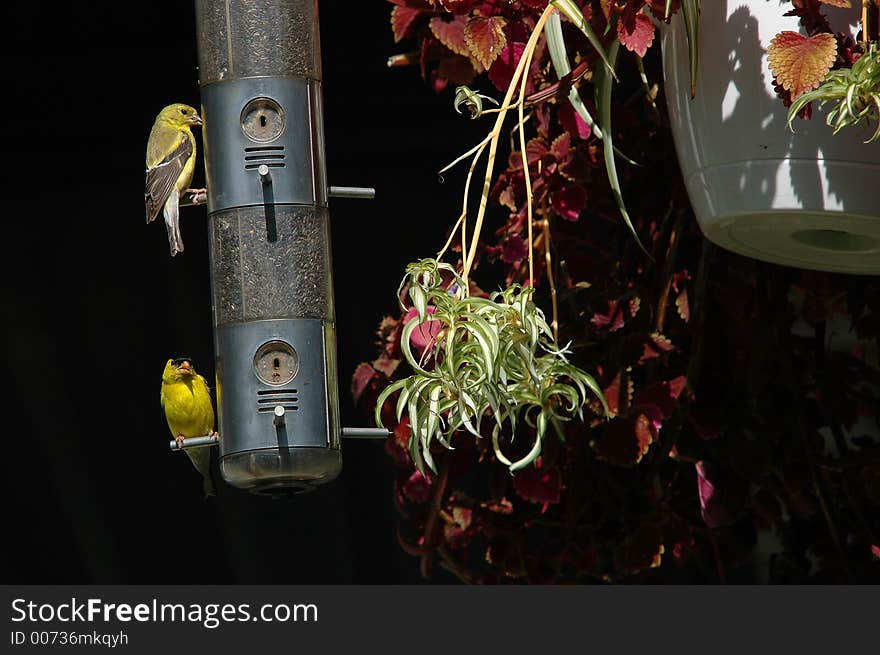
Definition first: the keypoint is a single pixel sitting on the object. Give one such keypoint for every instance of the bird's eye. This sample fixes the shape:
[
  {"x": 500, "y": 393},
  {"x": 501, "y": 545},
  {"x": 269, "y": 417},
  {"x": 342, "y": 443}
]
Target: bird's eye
[{"x": 183, "y": 111}]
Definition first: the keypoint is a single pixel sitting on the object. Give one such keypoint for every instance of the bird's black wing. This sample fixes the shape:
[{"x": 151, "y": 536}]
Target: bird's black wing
[{"x": 162, "y": 178}]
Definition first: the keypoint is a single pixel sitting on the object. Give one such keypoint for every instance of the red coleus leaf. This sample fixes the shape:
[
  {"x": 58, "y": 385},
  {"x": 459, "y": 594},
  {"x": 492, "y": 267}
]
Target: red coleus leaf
[
  {"x": 451, "y": 33},
  {"x": 425, "y": 5},
  {"x": 798, "y": 62},
  {"x": 502, "y": 506},
  {"x": 625, "y": 439},
  {"x": 560, "y": 148},
  {"x": 417, "y": 488},
  {"x": 616, "y": 314},
  {"x": 402, "y": 20},
  {"x": 656, "y": 345},
  {"x": 612, "y": 394},
  {"x": 569, "y": 202},
  {"x": 636, "y": 35},
  {"x": 659, "y": 400},
  {"x": 642, "y": 549},
  {"x": 845, "y": 4},
  {"x": 485, "y": 38},
  {"x": 455, "y": 69},
  {"x": 573, "y": 123},
  {"x": 514, "y": 249},
  {"x": 538, "y": 485},
  {"x": 502, "y": 69},
  {"x": 363, "y": 375},
  {"x": 536, "y": 149},
  {"x": 507, "y": 198},
  {"x": 385, "y": 365},
  {"x": 397, "y": 445},
  {"x": 456, "y": 6},
  {"x": 457, "y": 522}
]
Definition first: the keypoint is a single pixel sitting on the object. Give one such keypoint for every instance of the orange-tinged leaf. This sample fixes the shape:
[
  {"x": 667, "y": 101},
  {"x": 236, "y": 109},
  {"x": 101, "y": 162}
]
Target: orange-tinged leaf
[
  {"x": 798, "y": 62},
  {"x": 451, "y": 33},
  {"x": 402, "y": 19},
  {"x": 485, "y": 38},
  {"x": 845, "y": 4},
  {"x": 682, "y": 305}
]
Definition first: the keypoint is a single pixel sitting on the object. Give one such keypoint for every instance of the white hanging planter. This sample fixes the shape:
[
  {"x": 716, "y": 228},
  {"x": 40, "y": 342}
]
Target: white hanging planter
[{"x": 809, "y": 199}]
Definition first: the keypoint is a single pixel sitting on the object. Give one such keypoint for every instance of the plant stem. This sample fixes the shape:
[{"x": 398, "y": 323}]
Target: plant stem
[
  {"x": 668, "y": 270},
  {"x": 496, "y": 131},
  {"x": 431, "y": 523},
  {"x": 525, "y": 161},
  {"x": 548, "y": 261}
]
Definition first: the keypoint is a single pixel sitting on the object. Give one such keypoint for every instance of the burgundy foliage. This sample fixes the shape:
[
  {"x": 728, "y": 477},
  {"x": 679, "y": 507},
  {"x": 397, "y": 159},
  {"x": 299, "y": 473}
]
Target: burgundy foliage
[{"x": 734, "y": 418}]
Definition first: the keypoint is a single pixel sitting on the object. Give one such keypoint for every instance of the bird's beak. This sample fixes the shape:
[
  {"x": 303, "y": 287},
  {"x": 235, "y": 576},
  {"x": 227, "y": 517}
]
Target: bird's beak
[
  {"x": 185, "y": 367},
  {"x": 195, "y": 119}
]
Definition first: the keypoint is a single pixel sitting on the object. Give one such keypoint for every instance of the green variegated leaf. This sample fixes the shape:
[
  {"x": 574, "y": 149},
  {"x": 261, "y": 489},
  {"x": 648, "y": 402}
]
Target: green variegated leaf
[
  {"x": 419, "y": 302},
  {"x": 494, "y": 355},
  {"x": 386, "y": 393},
  {"x": 603, "y": 102},
  {"x": 573, "y": 13}
]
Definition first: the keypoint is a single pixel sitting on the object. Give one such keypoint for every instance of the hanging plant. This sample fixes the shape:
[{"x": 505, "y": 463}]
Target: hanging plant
[{"x": 492, "y": 357}]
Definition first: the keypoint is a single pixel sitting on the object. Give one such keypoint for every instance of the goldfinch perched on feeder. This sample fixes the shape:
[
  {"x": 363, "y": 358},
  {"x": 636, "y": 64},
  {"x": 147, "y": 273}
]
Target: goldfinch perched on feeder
[
  {"x": 171, "y": 159},
  {"x": 187, "y": 403}
]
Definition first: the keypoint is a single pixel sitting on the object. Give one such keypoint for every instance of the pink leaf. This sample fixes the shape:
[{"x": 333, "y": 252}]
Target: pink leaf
[
  {"x": 572, "y": 122},
  {"x": 423, "y": 336},
  {"x": 638, "y": 35},
  {"x": 713, "y": 512}
]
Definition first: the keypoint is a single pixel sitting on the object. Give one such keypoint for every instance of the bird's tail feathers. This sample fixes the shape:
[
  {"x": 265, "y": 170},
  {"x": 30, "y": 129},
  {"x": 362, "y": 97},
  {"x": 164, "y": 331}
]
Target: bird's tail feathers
[
  {"x": 172, "y": 222},
  {"x": 201, "y": 459}
]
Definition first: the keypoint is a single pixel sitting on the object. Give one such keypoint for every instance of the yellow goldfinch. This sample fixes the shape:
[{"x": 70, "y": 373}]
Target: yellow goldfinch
[
  {"x": 188, "y": 408},
  {"x": 171, "y": 159}
]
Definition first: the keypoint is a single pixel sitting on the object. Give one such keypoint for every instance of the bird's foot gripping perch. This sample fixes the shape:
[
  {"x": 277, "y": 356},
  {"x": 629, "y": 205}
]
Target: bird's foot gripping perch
[{"x": 193, "y": 197}]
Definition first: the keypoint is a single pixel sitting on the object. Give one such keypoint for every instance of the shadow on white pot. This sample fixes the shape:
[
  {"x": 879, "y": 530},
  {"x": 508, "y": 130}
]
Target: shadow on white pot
[{"x": 809, "y": 199}]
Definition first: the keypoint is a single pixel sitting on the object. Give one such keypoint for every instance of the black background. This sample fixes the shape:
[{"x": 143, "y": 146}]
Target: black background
[{"x": 93, "y": 305}]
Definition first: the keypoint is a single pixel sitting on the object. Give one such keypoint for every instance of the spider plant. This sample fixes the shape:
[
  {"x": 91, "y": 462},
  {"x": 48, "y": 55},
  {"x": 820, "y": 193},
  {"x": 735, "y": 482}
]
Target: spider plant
[
  {"x": 487, "y": 357},
  {"x": 854, "y": 91}
]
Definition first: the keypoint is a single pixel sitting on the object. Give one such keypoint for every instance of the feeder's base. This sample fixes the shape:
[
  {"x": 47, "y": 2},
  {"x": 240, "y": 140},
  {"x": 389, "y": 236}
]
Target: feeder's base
[{"x": 281, "y": 471}]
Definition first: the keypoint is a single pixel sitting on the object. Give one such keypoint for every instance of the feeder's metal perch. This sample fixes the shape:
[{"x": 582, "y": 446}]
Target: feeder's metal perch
[
  {"x": 213, "y": 440},
  {"x": 355, "y": 192},
  {"x": 195, "y": 442},
  {"x": 365, "y": 433},
  {"x": 360, "y": 193}
]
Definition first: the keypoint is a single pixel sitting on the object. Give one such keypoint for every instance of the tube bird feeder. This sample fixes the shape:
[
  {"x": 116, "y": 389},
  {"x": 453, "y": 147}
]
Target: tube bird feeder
[{"x": 271, "y": 273}]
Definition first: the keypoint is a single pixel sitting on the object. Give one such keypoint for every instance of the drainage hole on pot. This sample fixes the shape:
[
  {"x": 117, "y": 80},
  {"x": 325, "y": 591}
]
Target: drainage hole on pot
[{"x": 837, "y": 240}]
